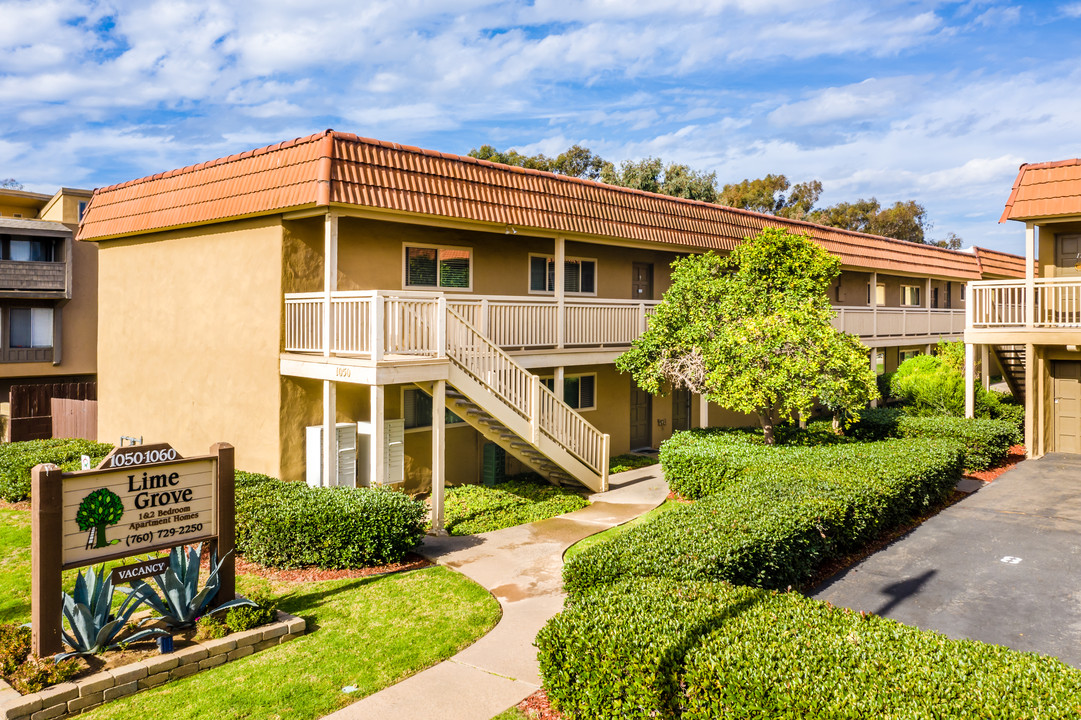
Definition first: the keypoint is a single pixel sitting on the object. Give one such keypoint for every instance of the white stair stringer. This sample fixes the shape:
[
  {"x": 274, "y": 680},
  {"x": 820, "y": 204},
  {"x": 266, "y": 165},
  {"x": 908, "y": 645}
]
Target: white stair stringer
[{"x": 531, "y": 425}]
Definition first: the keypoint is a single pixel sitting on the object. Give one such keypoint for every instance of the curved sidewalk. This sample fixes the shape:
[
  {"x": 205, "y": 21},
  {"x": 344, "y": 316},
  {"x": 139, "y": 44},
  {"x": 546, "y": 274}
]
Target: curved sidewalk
[{"x": 522, "y": 567}]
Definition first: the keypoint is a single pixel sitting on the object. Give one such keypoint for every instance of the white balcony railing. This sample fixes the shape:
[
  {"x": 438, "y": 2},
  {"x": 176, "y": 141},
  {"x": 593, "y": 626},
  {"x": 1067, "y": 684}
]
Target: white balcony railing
[
  {"x": 408, "y": 323},
  {"x": 411, "y": 324},
  {"x": 871, "y": 322},
  {"x": 1043, "y": 303}
]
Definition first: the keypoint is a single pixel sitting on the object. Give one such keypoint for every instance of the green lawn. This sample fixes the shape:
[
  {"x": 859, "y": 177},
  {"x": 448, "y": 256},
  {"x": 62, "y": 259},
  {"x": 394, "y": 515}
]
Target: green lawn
[
  {"x": 618, "y": 530},
  {"x": 368, "y": 632}
]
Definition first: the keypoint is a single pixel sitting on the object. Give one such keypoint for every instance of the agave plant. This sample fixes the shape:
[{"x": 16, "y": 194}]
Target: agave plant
[
  {"x": 181, "y": 601},
  {"x": 88, "y": 610}
]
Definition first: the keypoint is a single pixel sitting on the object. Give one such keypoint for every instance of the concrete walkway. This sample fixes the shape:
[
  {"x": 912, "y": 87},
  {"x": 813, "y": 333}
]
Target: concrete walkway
[
  {"x": 1001, "y": 566},
  {"x": 522, "y": 567}
]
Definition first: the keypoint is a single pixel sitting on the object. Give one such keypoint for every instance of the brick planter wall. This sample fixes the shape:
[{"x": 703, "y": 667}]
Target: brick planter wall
[{"x": 71, "y": 698}]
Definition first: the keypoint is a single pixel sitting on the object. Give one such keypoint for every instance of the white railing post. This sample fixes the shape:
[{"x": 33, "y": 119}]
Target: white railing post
[
  {"x": 484, "y": 330},
  {"x": 534, "y": 408},
  {"x": 606, "y": 444},
  {"x": 441, "y": 327},
  {"x": 560, "y": 288},
  {"x": 377, "y": 327},
  {"x": 641, "y": 319},
  {"x": 874, "y": 304},
  {"x": 970, "y": 307},
  {"x": 1030, "y": 275}
]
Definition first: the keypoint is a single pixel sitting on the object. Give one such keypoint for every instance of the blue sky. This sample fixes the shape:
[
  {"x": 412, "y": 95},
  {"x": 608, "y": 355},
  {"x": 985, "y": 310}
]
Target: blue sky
[{"x": 932, "y": 101}]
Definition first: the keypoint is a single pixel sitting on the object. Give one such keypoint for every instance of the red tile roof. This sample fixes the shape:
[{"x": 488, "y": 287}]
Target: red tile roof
[
  {"x": 1005, "y": 265},
  {"x": 1045, "y": 190},
  {"x": 339, "y": 168}
]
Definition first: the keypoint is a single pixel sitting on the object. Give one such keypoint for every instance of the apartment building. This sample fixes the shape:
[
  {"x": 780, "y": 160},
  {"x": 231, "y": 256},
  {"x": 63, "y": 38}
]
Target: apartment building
[
  {"x": 351, "y": 311},
  {"x": 1034, "y": 323},
  {"x": 48, "y": 290}
]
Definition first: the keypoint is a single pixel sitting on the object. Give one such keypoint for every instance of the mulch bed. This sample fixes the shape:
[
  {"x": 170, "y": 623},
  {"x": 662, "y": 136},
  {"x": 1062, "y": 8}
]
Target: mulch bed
[
  {"x": 21, "y": 505},
  {"x": 537, "y": 707},
  {"x": 1015, "y": 455},
  {"x": 412, "y": 561}
]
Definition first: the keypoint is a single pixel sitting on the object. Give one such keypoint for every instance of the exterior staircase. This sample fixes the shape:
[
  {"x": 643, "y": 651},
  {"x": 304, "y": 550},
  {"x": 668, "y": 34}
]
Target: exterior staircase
[
  {"x": 509, "y": 406},
  {"x": 1011, "y": 358}
]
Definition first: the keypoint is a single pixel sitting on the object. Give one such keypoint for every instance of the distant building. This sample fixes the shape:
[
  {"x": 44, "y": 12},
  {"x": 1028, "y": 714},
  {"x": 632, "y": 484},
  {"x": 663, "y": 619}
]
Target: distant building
[{"x": 48, "y": 291}]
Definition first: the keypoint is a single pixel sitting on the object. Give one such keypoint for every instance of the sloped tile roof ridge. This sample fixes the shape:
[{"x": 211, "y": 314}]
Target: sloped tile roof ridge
[
  {"x": 1025, "y": 167},
  {"x": 351, "y": 137},
  {"x": 282, "y": 145}
]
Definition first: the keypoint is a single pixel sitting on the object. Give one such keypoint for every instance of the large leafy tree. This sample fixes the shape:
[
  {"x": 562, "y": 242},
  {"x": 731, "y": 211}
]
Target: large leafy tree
[
  {"x": 753, "y": 332},
  {"x": 653, "y": 175},
  {"x": 773, "y": 194},
  {"x": 576, "y": 161}
]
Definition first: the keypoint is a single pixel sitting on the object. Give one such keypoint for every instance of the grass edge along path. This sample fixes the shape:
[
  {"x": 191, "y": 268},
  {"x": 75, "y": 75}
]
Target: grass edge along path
[{"x": 614, "y": 532}]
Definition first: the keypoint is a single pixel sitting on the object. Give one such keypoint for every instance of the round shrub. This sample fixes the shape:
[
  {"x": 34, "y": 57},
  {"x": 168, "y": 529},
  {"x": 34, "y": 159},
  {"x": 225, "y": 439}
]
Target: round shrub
[
  {"x": 929, "y": 386},
  {"x": 289, "y": 524},
  {"x": 986, "y": 442}
]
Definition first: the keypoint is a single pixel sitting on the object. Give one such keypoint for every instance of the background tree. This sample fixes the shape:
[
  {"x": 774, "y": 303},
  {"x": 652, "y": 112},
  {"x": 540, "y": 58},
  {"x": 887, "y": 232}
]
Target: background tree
[
  {"x": 652, "y": 175},
  {"x": 768, "y": 195},
  {"x": 11, "y": 184},
  {"x": 98, "y": 510},
  {"x": 902, "y": 220},
  {"x": 576, "y": 161},
  {"x": 753, "y": 333}
]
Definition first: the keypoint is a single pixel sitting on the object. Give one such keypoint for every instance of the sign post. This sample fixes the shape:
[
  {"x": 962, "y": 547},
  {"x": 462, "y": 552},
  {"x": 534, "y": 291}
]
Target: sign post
[{"x": 140, "y": 499}]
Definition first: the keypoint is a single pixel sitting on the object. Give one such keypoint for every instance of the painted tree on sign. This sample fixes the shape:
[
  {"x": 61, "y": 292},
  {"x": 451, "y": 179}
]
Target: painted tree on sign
[
  {"x": 97, "y": 511},
  {"x": 753, "y": 332}
]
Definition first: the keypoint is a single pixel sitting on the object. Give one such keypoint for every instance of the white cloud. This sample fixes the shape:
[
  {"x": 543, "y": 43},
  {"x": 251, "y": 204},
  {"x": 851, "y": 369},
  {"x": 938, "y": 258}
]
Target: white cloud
[
  {"x": 870, "y": 99},
  {"x": 1071, "y": 10}
]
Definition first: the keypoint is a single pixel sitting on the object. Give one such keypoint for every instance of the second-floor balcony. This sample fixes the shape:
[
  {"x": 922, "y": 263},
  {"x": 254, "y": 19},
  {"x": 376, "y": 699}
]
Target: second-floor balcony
[
  {"x": 31, "y": 277},
  {"x": 1041, "y": 305},
  {"x": 381, "y": 324}
]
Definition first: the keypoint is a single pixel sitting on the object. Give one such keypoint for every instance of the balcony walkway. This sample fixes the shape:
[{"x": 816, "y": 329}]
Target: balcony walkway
[{"x": 521, "y": 566}]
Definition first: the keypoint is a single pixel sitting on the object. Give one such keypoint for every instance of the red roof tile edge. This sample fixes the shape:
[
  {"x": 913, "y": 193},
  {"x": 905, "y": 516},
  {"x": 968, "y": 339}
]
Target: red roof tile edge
[{"x": 1025, "y": 167}]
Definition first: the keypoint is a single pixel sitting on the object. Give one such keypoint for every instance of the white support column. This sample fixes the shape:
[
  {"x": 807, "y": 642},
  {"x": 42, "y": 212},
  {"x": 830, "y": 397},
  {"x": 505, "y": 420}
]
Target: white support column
[
  {"x": 985, "y": 367},
  {"x": 377, "y": 451},
  {"x": 874, "y": 369},
  {"x": 330, "y": 278},
  {"x": 1030, "y": 397},
  {"x": 560, "y": 288},
  {"x": 703, "y": 411},
  {"x": 874, "y": 304},
  {"x": 534, "y": 409},
  {"x": 441, "y": 327},
  {"x": 439, "y": 454},
  {"x": 970, "y": 380},
  {"x": 330, "y": 433},
  {"x": 1030, "y": 281},
  {"x": 557, "y": 383}
]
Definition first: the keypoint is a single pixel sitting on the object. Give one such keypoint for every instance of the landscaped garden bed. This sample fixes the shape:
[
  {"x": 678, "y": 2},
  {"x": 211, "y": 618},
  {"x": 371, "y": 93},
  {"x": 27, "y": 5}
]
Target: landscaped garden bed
[{"x": 472, "y": 509}]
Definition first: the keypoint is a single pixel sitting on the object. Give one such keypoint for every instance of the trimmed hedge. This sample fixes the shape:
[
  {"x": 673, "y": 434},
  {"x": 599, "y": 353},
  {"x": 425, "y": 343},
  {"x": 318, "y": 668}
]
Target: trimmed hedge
[
  {"x": 986, "y": 441},
  {"x": 778, "y": 512},
  {"x": 289, "y": 524},
  {"x": 17, "y": 459},
  {"x": 472, "y": 509},
  {"x": 664, "y": 649}
]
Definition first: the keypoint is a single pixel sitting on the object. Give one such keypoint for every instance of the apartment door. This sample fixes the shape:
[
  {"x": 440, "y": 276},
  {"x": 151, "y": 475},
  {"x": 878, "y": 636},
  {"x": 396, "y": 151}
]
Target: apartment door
[
  {"x": 681, "y": 410},
  {"x": 1068, "y": 255},
  {"x": 1067, "y": 431},
  {"x": 641, "y": 417},
  {"x": 642, "y": 281}
]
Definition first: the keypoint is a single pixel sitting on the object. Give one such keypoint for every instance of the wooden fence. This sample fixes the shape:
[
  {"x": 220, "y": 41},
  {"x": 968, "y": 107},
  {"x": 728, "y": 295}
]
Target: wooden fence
[{"x": 32, "y": 411}]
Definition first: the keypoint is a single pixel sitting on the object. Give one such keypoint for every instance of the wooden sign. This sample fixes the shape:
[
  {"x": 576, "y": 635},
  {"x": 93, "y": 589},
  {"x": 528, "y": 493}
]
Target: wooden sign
[{"x": 138, "y": 499}]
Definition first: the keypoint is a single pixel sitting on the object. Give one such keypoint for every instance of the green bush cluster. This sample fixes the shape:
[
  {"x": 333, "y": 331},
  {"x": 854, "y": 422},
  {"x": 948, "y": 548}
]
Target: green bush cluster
[
  {"x": 986, "y": 441},
  {"x": 629, "y": 461},
  {"x": 472, "y": 509},
  {"x": 209, "y": 627},
  {"x": 695, "y": 650},
  {"x": 775, "y": 513},
  {"x": 289, "y": 524},
  {"x": 17, "y": 459},
  {"x": 246, "y": 617}
]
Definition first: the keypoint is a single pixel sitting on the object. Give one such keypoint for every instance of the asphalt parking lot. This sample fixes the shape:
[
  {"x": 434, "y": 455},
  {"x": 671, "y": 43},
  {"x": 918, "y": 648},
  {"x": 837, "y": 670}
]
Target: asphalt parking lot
[{"x": 1002, "y": 565}]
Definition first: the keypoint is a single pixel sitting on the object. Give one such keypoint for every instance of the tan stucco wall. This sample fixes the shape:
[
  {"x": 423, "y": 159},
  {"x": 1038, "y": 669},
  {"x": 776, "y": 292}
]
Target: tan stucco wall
[{"x": 189, "y": 339}]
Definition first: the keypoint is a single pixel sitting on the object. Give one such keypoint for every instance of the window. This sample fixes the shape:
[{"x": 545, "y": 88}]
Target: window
[
  {"x": 438, "y": 267},
  {"x": 579, "y": 275},
  {"x": 417, "y": 410},
  {"x": 963, "y": 286},
  {"x": 906, "y": 353},
  {"x": 910, "y": 295},
  {"x": 578, "y": 390},
  {"x": 30, "y": 327},
  {"x": 880, "y": 294},
  {"x": 15, "y": 247},
  {"x": 82, "y": 209}
]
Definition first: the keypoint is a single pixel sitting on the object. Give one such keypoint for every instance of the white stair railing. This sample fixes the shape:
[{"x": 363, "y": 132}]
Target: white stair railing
[{"x": 522, "y": 392}]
